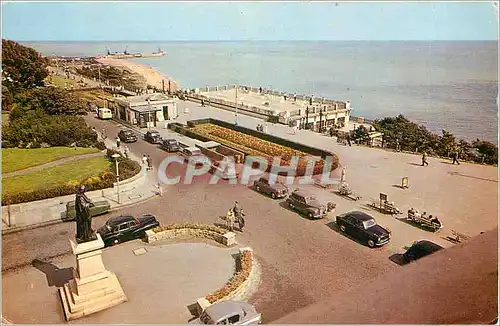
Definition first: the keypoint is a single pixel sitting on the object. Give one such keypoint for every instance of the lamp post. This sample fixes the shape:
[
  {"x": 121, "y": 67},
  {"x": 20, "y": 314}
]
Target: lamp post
[
  {"x": 236, "y": 106},
  {"x": 116, "y": 156}
]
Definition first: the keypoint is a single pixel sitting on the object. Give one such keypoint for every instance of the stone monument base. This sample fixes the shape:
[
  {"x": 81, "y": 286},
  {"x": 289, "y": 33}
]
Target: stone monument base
[{"x": 93, "y": 288}]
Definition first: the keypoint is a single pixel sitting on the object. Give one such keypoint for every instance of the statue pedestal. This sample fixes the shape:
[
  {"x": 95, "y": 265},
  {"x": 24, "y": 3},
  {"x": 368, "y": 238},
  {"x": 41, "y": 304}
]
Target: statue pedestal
[{"x": 93, "y": 288}]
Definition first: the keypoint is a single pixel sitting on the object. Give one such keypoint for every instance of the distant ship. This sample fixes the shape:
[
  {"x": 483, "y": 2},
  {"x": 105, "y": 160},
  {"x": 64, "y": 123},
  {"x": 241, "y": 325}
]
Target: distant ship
[{"x": 126, "y": 55}]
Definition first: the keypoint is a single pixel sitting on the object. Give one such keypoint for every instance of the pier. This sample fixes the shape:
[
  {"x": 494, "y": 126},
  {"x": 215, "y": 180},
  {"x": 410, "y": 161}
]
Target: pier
[{"x": 305, "y": 112}]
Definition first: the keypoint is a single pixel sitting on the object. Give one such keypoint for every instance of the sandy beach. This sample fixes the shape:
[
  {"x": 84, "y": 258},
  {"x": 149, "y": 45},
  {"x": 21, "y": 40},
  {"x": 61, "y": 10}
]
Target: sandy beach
[{"x": 152, "y": 76}]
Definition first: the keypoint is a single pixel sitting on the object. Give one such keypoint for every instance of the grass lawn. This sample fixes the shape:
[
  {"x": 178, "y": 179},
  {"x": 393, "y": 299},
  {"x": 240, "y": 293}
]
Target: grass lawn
[
  {"x": 94, "y": 96},
  {"x": 60, "y": 81},
  {"x": 61, "y": 174},
  {"x": 15, "y": 159}
]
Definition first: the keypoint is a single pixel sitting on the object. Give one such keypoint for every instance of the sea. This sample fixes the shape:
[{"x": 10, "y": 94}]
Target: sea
[{"x": 443, "y": 85}]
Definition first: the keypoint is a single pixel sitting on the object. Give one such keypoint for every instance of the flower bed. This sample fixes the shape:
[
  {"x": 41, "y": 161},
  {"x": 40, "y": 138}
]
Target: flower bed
[
  {"x": 256, "y": 146},
  {"x": 243, "y": 269},
  {"x": 187, "y": 225}
]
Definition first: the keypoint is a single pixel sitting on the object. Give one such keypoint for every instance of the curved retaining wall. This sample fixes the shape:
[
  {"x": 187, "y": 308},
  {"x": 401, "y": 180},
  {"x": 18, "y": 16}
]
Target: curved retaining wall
[
  {"x": 227, "y": 239},
  {"x": 243, "y": 291}
]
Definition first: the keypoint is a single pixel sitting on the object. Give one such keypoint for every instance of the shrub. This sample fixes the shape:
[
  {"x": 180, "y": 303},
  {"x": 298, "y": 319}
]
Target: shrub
[
  {"x": 95, "y": 183},
  {"x": 242, "y": 272},
  {"x": 100, "y": 145},
  {"x": 37, "y": 127}
]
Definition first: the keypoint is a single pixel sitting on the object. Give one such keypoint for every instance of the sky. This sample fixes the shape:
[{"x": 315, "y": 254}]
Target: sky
[{"x": 232, "y": 21}]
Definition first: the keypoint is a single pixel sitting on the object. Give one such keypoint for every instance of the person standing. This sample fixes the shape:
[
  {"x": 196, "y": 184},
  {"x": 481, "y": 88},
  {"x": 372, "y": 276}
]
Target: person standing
[
  {"x": 150, "y": 163},
  {"x": 103, "y": 134},
  {"x": 144, "y": 160},
  {"x": 424, "y": 159},
  {"x": 125, "y": 151},
  {"x": 455, "y": 158},
  {"x": 118, "y": 141},
  {"x": 230, "y": 220},
  {"x": 342, "y": 175}
]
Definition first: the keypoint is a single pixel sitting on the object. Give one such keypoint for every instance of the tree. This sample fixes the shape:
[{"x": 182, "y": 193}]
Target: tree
[
  {"x": 489, "y": 151},
  {"x": 448, "y": 143},
  {"x": 22, "y": 67},
  {"x": 53, "y": 101}
]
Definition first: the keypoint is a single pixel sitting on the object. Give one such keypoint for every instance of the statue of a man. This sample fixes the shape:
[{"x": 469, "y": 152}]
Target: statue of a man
[{"x": 84, "y": 232}]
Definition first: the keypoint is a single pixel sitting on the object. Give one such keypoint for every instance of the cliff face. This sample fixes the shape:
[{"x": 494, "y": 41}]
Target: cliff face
[{"x": 458, "y": 285}]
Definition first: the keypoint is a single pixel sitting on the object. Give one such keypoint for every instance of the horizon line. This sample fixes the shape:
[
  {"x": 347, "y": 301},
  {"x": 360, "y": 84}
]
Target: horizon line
[{"x": 220, "y": 41}]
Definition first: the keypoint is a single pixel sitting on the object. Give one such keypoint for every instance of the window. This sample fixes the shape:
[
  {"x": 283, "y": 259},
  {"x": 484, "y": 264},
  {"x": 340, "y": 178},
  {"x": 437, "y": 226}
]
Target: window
[
  {"x": 123, "y": 227},
  {"x": 131, "y": 224},
  {"x": 222, "y": 322},
  {"x": 233, "y": 319}
]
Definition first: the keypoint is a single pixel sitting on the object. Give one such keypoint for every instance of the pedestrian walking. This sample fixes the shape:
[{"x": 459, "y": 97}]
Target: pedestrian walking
[
  {"x": 125, "y": 151},
  {"x": 144, "y": 160},
  {"x": 424, "y": 159},
  {"x": 455, "y": 158},
  {"x": 150, "y": 163},
  {"x": 342, "y": 175},
  {"x": 103, "y": 134},
  {"x": 118, "y": 142},
  {"x": 230, "y": 220},
  {"x": 202, "y": 102},
  {"x": 159, "y": 190},
  {"x": 349, "y": 139}
]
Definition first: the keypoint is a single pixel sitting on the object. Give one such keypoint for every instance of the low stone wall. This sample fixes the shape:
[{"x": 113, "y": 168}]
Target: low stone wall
[
  {"x": 239, "y": 157},
  {"x": 243, "y": 291},
  {"x": 213, "y": 155},
  {"x": 227, "y": 239}
]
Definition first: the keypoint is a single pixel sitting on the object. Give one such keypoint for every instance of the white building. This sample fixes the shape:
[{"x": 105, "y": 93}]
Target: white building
[{"x": 145, "y": 110}]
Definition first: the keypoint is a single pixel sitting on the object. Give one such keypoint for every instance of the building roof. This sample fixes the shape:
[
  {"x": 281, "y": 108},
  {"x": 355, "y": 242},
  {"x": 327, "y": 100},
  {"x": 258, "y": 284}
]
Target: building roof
[
  {"x": 145, "y": 108},
  {"x": 144, "y": 98},
  {"x": 457, "y": 285}
]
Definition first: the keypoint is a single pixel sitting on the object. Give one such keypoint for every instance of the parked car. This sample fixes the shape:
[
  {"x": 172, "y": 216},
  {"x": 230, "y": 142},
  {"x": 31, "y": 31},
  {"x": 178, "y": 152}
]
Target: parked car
[
  {"x": 124, "y": 228},
  {"x": 152, "y": 137},
  {"x": 364, "y": 228},
  {"x": 420, "y": 249},
  {"x": 306, "y": 203},
  {"x": 170, "y": 145},
  {"x": 127, "y": 136},
  {"x": 277, "y": 190},
  {"x": 229, "y": 171},
  {"x": 229, "y": 313},
  {"x": 100, "y": 207}
]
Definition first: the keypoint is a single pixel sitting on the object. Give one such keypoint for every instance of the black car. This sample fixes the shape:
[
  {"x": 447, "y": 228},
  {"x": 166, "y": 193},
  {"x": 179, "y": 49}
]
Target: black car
[
  {"x": 124, "y": 228},
  {"x": 420, "y": 249},
  {"x": 127, "y": 136},
  {"x": 153, "y": 137},
  {"x": 170, "y": 145},
  {"x": 364, "y": 228}
]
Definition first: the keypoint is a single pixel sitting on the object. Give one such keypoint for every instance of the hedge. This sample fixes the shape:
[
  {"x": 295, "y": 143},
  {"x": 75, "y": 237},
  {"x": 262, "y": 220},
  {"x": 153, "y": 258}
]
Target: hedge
[{"x": 128, "y": 169}]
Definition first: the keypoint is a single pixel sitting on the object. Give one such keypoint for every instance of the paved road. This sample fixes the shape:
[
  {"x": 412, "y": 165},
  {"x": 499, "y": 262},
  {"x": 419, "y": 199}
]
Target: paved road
[{"x": 303, "y": 261}]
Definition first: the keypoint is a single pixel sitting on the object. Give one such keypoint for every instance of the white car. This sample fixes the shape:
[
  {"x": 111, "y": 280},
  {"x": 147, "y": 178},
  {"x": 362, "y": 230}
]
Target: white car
[
  {"x": 229, "y": 172},
  {"x": 229, "y": 313}
]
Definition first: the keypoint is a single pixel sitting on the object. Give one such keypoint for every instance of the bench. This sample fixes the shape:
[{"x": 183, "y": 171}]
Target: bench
[{"x": 459, "y": 237}]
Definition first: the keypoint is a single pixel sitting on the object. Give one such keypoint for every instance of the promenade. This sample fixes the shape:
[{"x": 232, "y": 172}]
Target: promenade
[{"x": 465, "y": 197}]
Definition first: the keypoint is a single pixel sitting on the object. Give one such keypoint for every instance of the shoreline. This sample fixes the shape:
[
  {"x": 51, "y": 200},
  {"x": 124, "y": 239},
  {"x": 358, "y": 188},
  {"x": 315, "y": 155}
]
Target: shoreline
[{"x": 153, "y": 77}]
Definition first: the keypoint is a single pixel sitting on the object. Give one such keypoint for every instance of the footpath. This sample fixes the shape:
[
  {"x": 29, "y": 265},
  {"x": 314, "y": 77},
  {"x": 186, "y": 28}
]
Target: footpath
[{"x": 137, "y": 189}]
